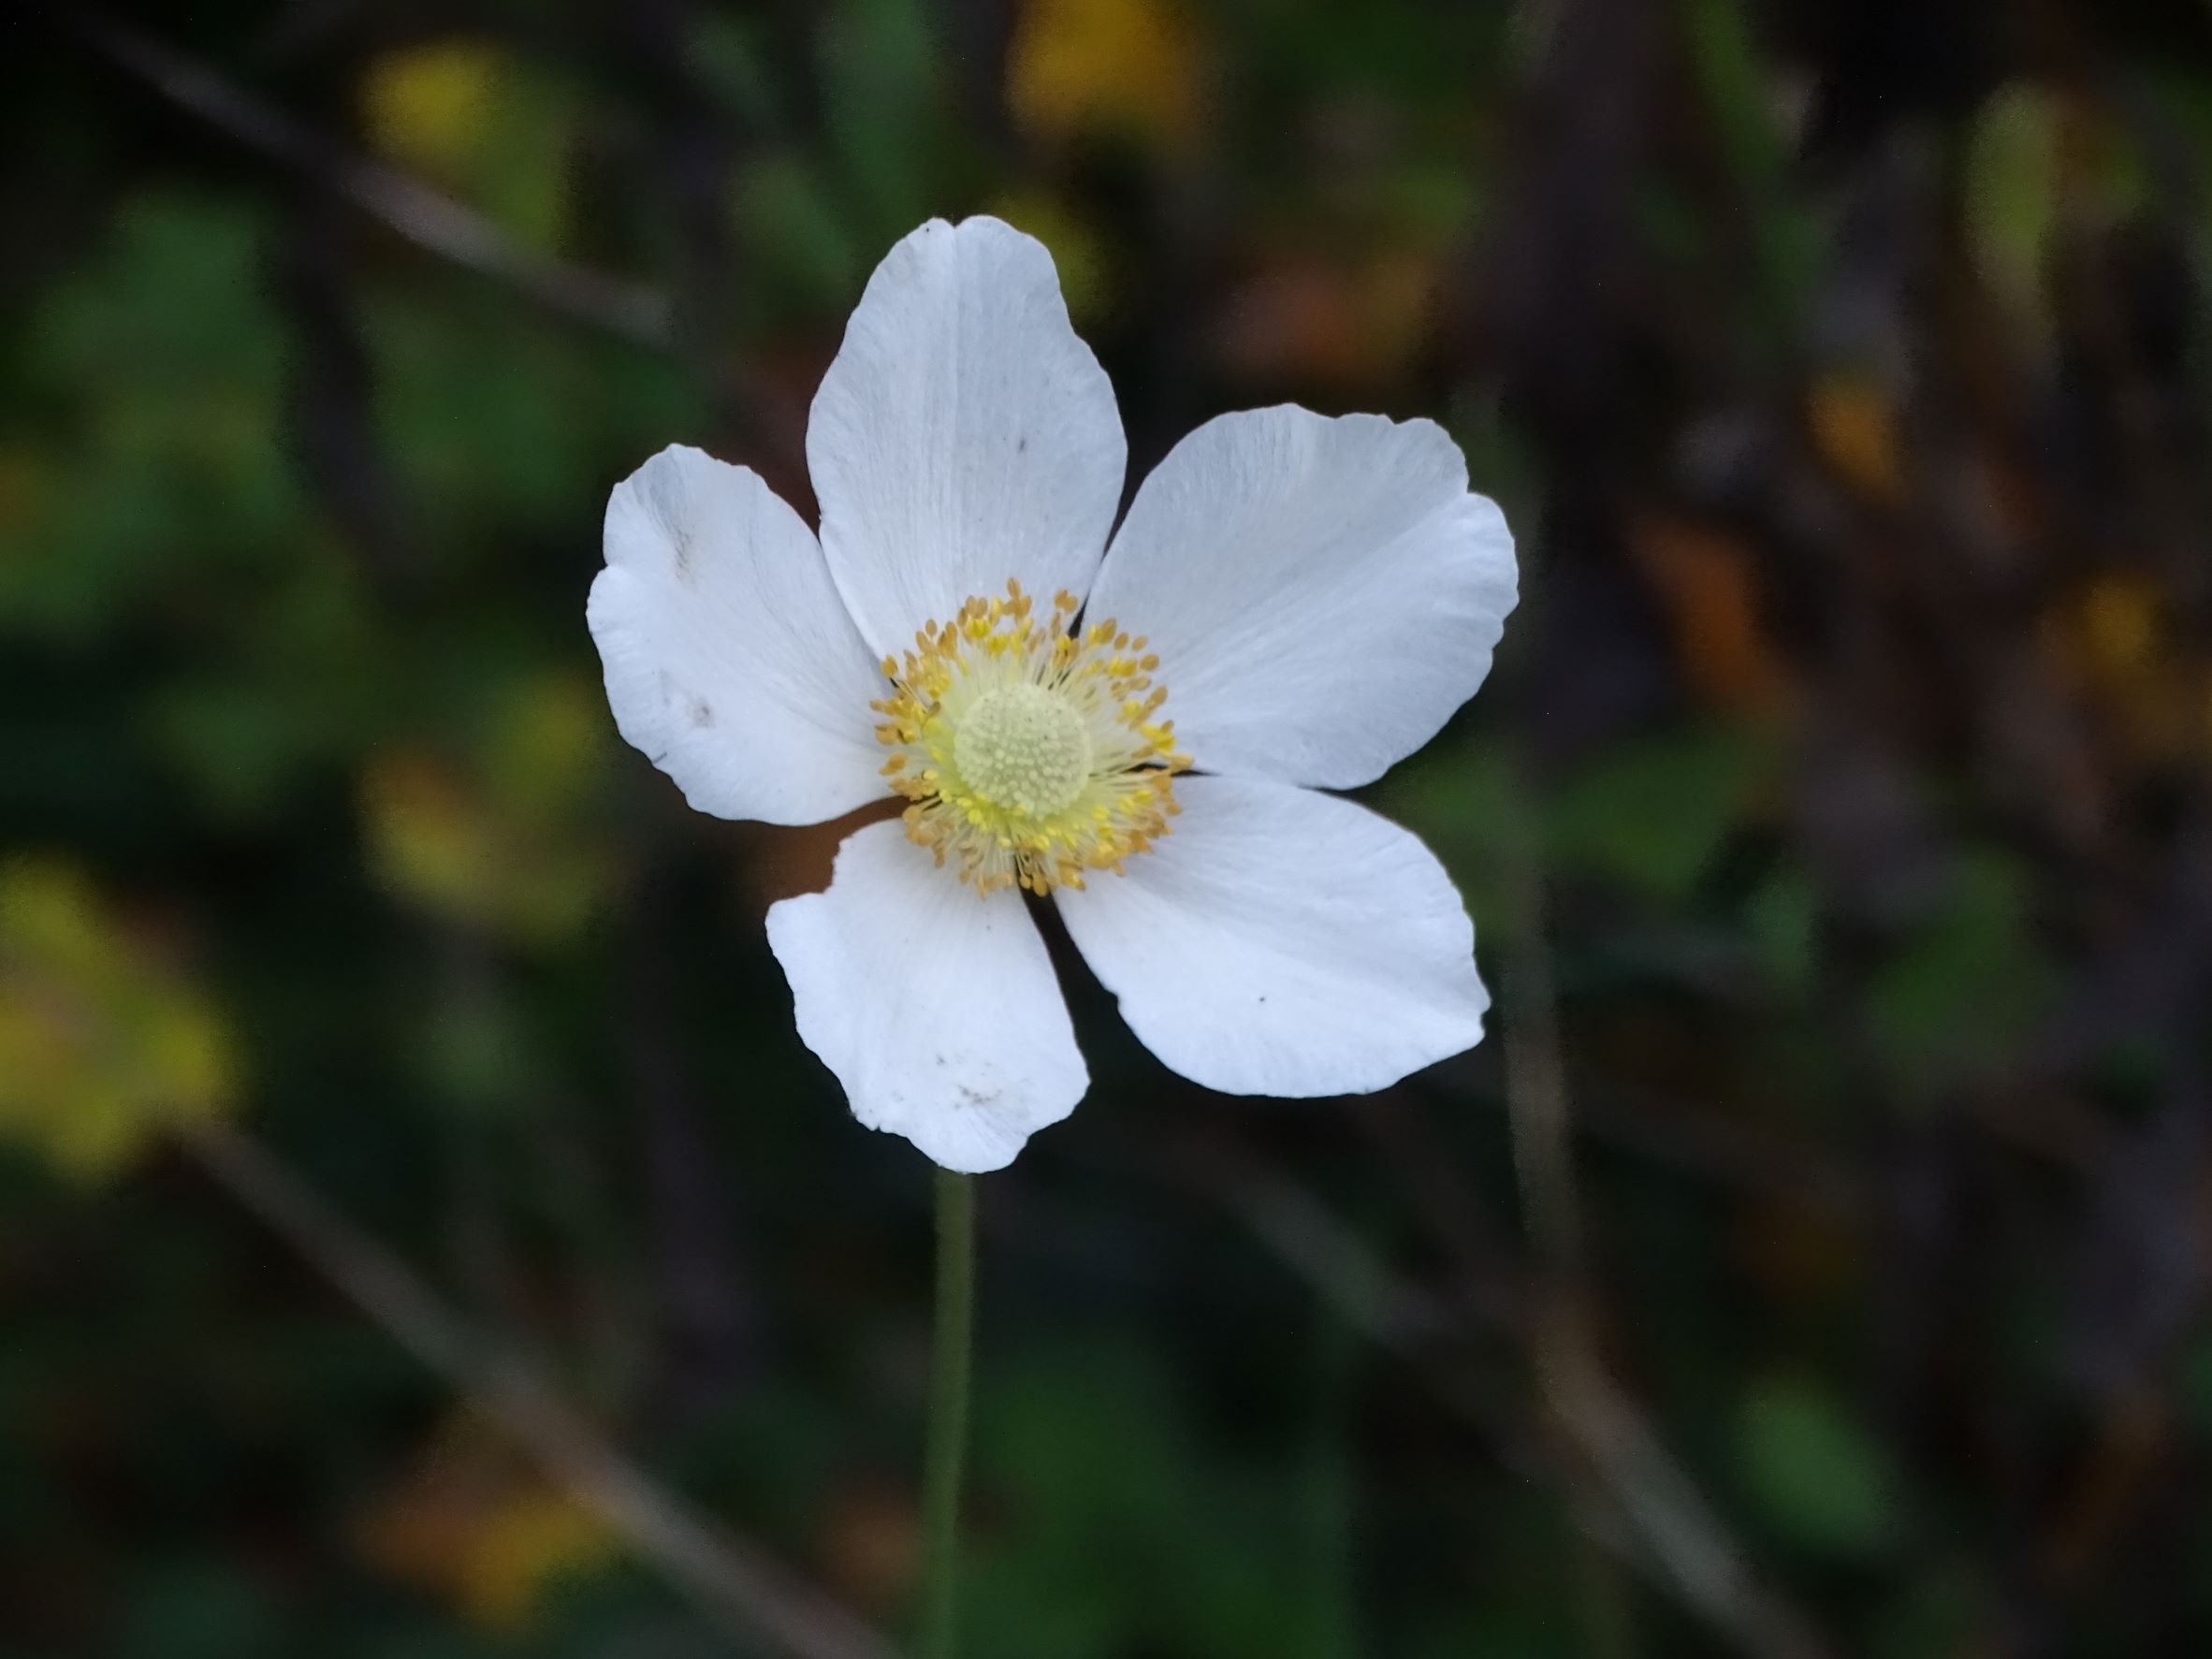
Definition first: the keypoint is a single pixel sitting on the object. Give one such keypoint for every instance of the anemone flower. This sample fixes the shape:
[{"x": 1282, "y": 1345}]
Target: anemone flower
[{"x": 1321, "y": 594}]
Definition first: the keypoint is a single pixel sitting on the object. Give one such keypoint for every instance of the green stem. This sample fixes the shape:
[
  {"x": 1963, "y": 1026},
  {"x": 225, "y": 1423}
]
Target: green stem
[{"x": 950, "y": 1367}]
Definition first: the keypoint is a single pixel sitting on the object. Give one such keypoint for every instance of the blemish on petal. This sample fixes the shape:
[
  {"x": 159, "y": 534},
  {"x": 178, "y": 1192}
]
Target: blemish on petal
[{"x": 702, "y": 712}]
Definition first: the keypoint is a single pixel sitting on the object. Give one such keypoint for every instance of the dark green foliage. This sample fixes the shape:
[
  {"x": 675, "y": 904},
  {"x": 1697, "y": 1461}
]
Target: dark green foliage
[{"x": 1841, "y": 371}]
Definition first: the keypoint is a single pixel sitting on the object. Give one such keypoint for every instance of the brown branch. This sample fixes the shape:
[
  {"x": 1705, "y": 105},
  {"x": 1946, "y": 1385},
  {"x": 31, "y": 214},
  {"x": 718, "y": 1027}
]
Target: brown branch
[
  {"x": 745, "y": 1591},
  {"x": 1654, "y": 1494},
  {"x": 1641, "y": 1506},
  {"x": 426, "y": 218}
]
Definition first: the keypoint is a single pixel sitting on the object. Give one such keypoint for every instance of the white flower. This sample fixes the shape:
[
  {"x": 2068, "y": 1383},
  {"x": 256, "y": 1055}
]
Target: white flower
[{"x": 1321, "y": 594}]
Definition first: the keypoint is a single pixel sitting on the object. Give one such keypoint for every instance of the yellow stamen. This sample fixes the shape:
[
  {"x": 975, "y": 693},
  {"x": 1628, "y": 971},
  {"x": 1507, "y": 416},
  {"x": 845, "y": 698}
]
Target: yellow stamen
[{"x": 1027, "y": 752}]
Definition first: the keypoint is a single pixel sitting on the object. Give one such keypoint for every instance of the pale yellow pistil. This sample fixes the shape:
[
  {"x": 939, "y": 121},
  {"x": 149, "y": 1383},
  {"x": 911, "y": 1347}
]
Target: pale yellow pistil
[
  {"x": 1028, "y": 753},
  {"x": 1023, "y": 749}
]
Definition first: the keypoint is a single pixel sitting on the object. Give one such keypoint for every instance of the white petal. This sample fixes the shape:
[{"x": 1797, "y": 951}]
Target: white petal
[
  {"x": 1322, "y": 593},
  {"x": 1284, "y": 942},
  {"x": 730, "y": 660},
  {"x": 963, "y": 436},
  {"x": 939, "y": 1010}
]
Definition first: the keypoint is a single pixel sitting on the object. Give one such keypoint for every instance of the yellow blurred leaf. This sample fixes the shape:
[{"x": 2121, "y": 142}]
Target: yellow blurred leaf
[
  {"x": 2012, "y": 186},
  {"x": 428, "y": 837},
  {"x": 870, "y": 1544},
  {"x": 1710, "y": 583},
  {"x": 2042, "y": 162},
  {"x": 2112, "y": 643},
  {"x": 1076, "y": 248},
  {"x": 547, "y": 745},
  {"x": 2122, "y": 626},
  {"x": 433, "y": 106},
  {"x": 535, "y": 1539},
  {"x": 492, "y": 127},
  {"x": 103, "y": 1046},
  {"x": 477, "y": 1527},
  {"x": 1129, "y": 69},
  {"x": 1854, "y": 426},
  {"x": 506, "y": 835},
  {"x": 1326, "y": 317}
]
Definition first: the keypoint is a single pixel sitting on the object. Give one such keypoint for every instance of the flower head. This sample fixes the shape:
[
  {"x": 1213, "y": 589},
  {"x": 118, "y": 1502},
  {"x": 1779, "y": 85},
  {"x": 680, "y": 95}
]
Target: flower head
[{"x": 1319, "y": 594}]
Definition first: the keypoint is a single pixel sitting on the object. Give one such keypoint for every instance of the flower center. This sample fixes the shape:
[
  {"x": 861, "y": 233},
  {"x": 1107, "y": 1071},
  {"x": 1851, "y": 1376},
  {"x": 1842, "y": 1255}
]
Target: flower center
[
  {"x": 1023, "y": 747},
  {"x": 1028, "y": 753}
]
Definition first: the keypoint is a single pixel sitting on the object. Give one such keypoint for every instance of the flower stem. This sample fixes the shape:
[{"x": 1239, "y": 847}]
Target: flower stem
[{"x": 950, "y": 1367}]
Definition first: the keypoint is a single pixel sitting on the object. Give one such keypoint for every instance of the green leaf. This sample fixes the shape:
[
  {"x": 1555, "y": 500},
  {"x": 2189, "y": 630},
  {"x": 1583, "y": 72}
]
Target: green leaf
[
  {"x": 159, "y": 472},
  {"x": 1938, "y": 1616},
  {"x": 805, "y": 252},
  {"x": 1458, "y": 799},
  {"x": 1966, "y": 991},
  {"x": 195, "y": 1609},
  {"x": 2196, "y": 1385},
  {"x": 882, "y": 90},
  {"x": 1815, "y": 1472},
  {"x": 1090, "y": 1463},
  {"x": 1781, "y": 920},
  {"x": 1739, "y": 89},
  {"x": 2013, "y": 175},
  {"x": 1653, "y": 816}
]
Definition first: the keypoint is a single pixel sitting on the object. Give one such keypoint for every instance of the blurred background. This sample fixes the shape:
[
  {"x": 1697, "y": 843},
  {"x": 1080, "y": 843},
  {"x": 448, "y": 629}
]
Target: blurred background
[{"x": 422, "y": 1235}]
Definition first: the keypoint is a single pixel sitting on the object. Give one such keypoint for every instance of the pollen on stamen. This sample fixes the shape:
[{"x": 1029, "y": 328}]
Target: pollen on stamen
[{"x": 1027, "y": 750}]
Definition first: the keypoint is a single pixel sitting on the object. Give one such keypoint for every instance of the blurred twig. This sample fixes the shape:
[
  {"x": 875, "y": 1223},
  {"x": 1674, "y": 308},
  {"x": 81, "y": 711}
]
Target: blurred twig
[
  {"x": 1655, "y": 1495},
  {"x": 710, "y": 1331},
  {"x": 1643, "y": 1507},
  {"x": 426, "y": 218},
  {"x": 746, "y": 1592},
  {"x": 1562, "y": 1334},
  {"x": 1349, "y": 1277}
]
